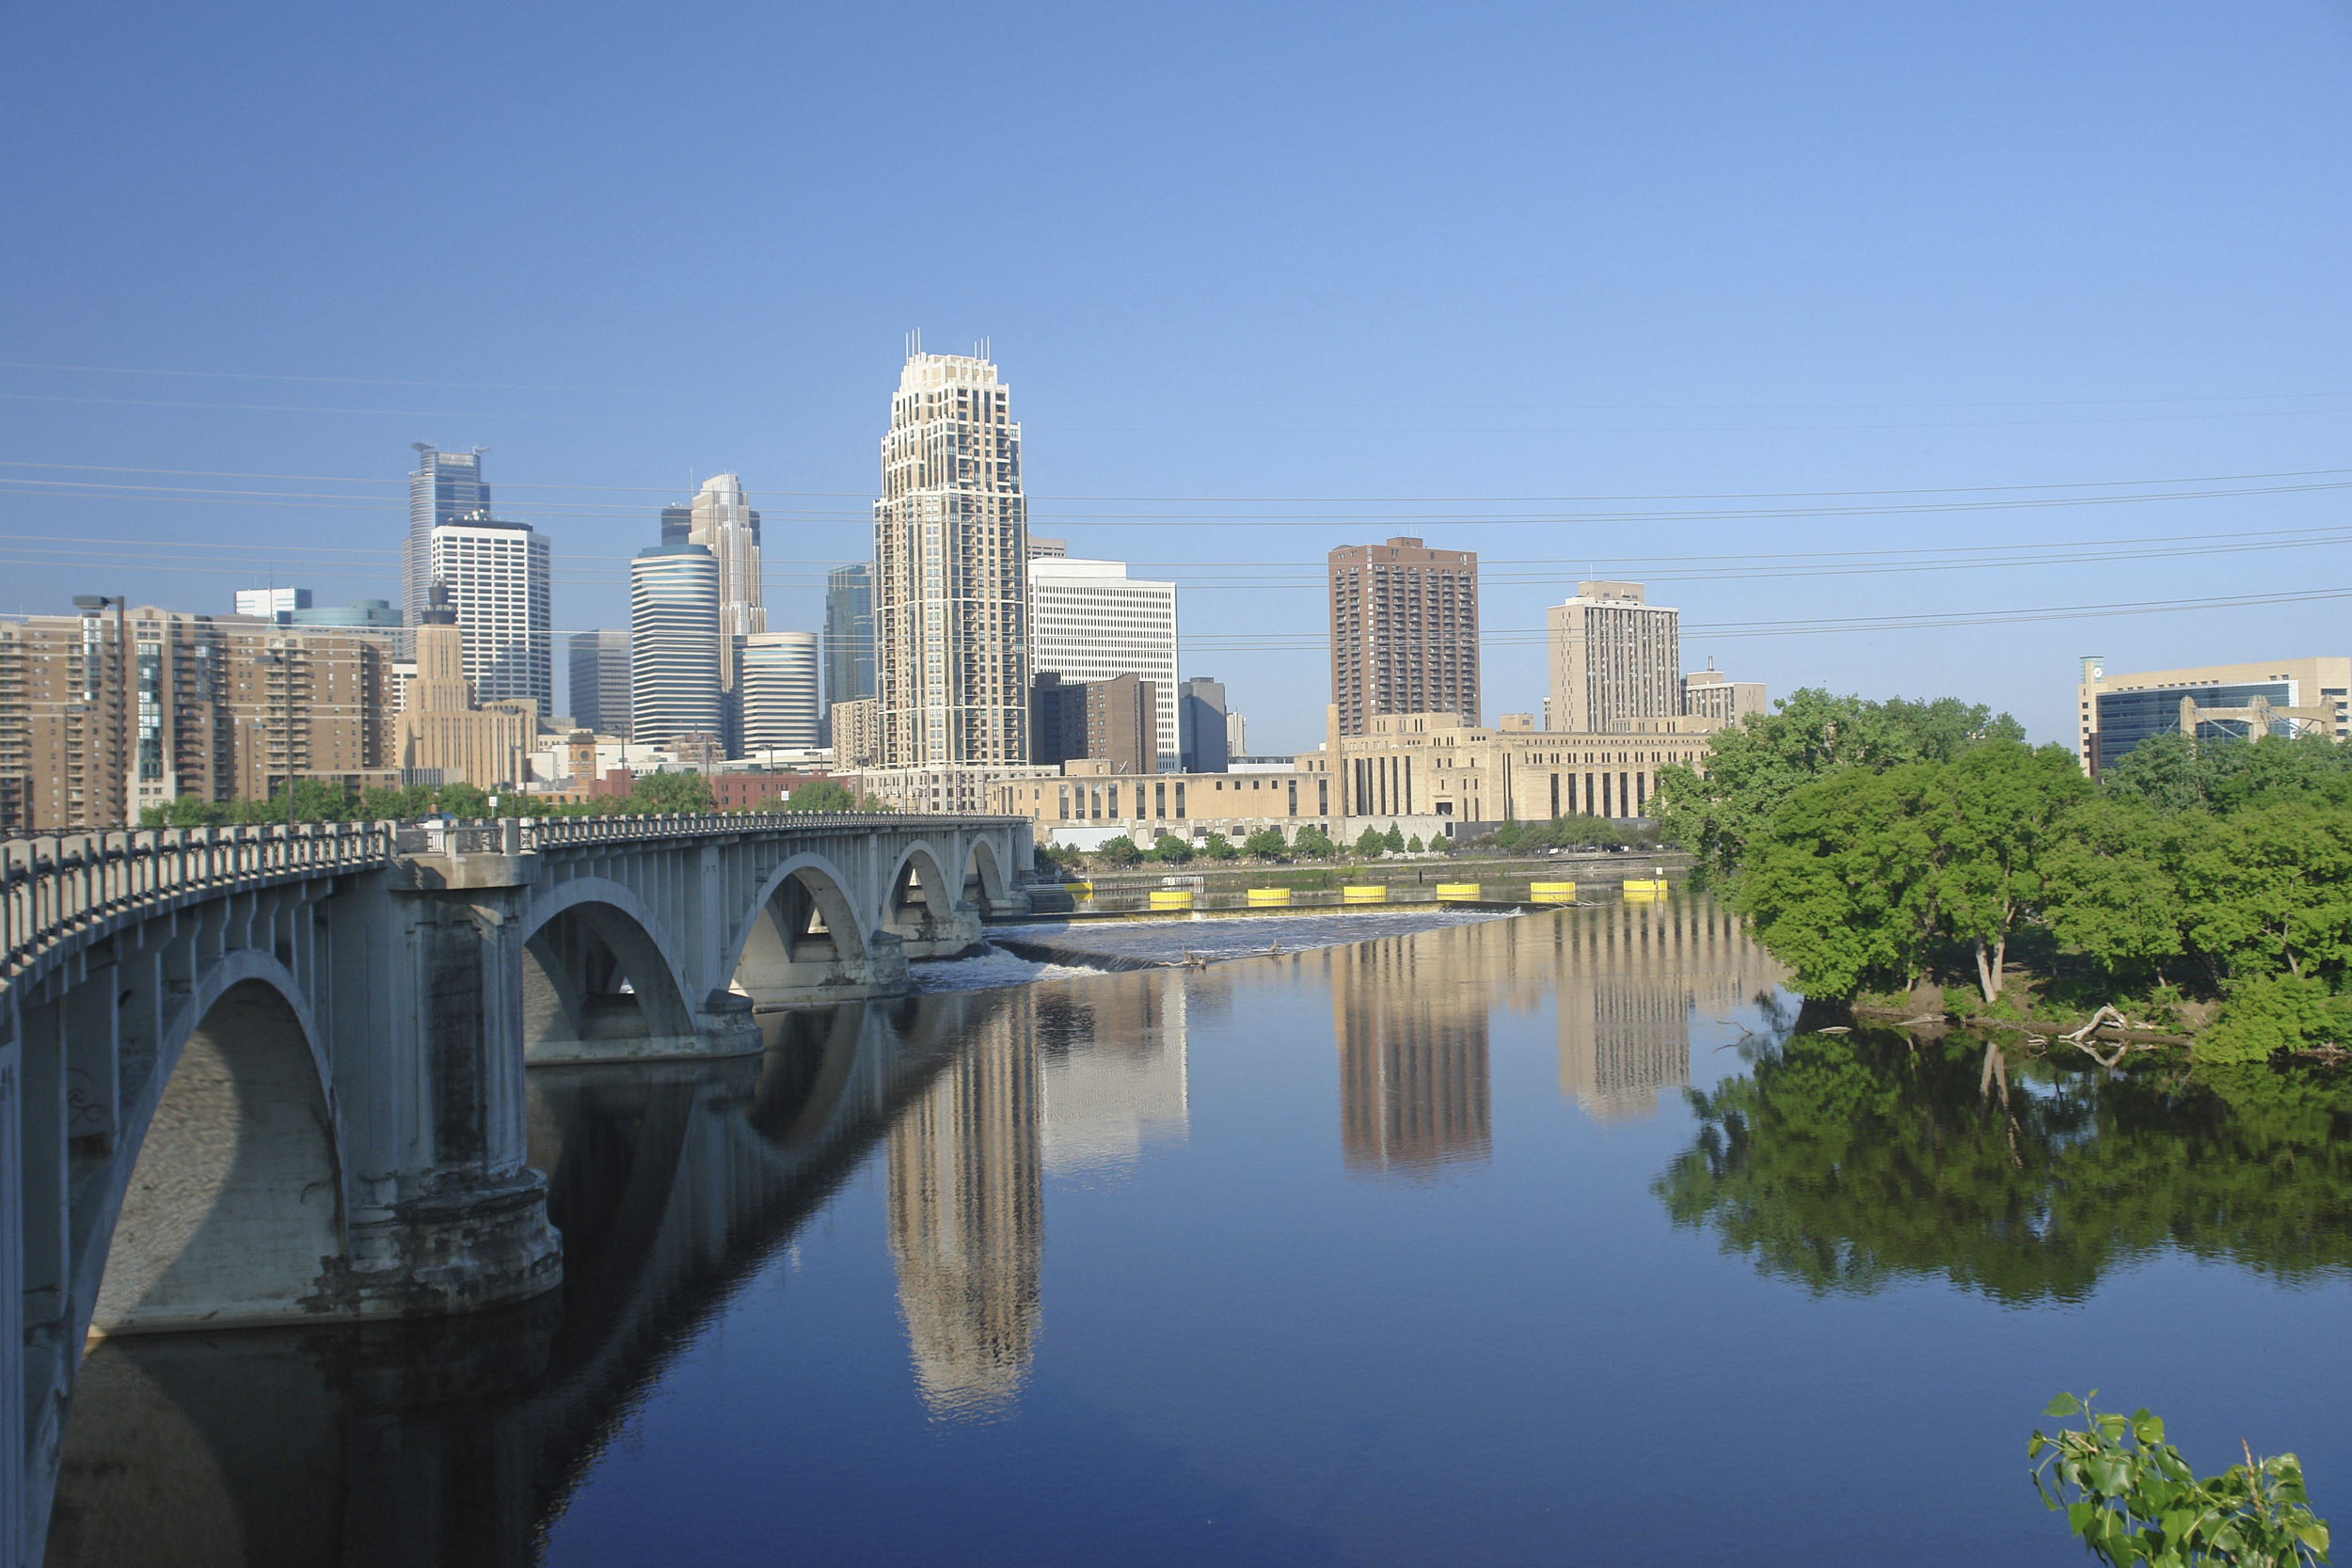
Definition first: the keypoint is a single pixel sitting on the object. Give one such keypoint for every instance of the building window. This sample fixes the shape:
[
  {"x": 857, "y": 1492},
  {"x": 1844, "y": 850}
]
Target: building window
[{"x": 1179, "y": 802}]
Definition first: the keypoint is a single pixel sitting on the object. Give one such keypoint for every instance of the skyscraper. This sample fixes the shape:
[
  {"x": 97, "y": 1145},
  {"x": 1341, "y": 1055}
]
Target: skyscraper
[
  {"x": 1090, "y": 621},
  {"x": 1614, "y": 657},
  {"x": 1404, "y": 632},
  {"x": 599, "y": 694},
  {"x": 1201, "y": 724},
  {"x": 720, "y": 519},
  {"x": 849, "y": 634},
  {"x": 777, "y": 674},
  {"x": 499, "y": 581},
  {"x": 950, "y": 586},
  {"x": 445, "y": 487},
  {"x": 673, "y": 643}
]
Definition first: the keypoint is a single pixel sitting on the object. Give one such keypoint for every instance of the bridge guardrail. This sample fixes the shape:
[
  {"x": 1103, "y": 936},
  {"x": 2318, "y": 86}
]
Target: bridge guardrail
[{"x": 53, "y": 884}]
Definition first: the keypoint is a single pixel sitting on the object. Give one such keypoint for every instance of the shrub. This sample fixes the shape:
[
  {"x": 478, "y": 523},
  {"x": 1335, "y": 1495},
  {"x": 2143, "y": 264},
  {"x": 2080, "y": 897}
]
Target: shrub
[
  {"x": 1213, "y": 847},
  {"x": 2267, "y": 1014},
  {"x": 1265, "y": 844},
  {"x": 1174, "y": 850},
  {"x": 1372, "y": 844}
]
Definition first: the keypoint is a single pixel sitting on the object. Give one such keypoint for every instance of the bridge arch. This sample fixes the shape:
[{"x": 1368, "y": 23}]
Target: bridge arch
[
  {"x": 918, "y": 895},
  {"x": 227, "y": 1204},
  {"x": 583, "y": 940},
  {"x": 803, "y": 940},
  {"x": 985, "y": 885}
]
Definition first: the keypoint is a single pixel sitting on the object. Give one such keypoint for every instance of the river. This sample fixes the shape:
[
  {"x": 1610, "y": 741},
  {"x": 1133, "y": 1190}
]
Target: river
[{"x": 1524, "y": 1239}]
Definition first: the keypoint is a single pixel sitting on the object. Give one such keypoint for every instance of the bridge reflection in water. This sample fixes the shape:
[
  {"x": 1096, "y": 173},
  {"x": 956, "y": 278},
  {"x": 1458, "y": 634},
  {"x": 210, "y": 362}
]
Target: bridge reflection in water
[{"x": 460, "y": 1441}]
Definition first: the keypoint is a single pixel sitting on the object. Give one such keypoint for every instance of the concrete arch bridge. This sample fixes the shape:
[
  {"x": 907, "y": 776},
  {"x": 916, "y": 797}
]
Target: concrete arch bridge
[{"x": 266, "y": 1075}]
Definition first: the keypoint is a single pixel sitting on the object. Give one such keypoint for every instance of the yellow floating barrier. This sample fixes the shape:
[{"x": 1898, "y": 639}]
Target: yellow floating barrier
[
  {"x": 1352, "y": 895},
  {"x": 1456, "y": 892},
  {"x": 1079, "y": 890},
  {"x": 1642, "y": 889},
  {"x": 1269, "y": 897},
  {"x": 1172, "y": 898},
  {"x": 1552, "y": 893}
]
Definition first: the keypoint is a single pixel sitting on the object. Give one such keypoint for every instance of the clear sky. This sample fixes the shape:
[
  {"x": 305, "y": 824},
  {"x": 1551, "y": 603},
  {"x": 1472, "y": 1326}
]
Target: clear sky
[{"x": 1262, "y": 280}]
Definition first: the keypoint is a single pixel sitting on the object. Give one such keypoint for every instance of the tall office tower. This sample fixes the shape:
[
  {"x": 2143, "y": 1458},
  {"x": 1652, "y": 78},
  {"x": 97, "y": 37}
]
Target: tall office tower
[
  {"x": 673, "y": 643},
  {"x": 777, "y": 674},
  {"x": 951, "y": 634},
  {"x": 599, "y": 693},
  {"x": 1089, "y": 621},
  {"x": 1113, "y": 721},
  {"x": 1614, "y": 658},
  {"x": 1404, "y": 632},
  {"x": 849, "y": 634},
  {"x": 721, "y": 519},
  {"x": 1201, "y": 725},
  {"x": 497, "y": 577},
  {"x": 1236, "y": 737},
  {"x": 445, "y": 487}
]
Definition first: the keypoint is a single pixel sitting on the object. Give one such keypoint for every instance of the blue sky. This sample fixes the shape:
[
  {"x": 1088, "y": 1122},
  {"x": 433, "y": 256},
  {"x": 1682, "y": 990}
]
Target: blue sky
[{"x": 1262, "y": 280}]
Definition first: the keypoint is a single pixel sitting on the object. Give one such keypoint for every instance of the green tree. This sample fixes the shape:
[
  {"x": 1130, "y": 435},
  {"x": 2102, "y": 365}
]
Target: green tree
[
  {"x": 1265, "y": 844},
  {"x": 2172, "y": 772},
  {"x": 1371, "y": 844},
  {"x": 394, "y": 804},
  {"x": 1393, "y": 841},
  {"x": 823, "y": 795},
  {"x": 1213, "y": 847},
  {"x": 682, "y": 794},
  {"x": 461, "y": 799},
  {"x": 2000, "y": 812},
  {"x": 1313, "y": 841},
  {"x": 1172, "y": 849},
  {"x": 2269, "y": 888},
  {"x": 2111, "y": 889},
  {"x": 1756, "y": 765},
  {"x": 1413, "y": 845},
  {"x": 1119, "y": 852},
  {"x": 1842, "y": 886}
]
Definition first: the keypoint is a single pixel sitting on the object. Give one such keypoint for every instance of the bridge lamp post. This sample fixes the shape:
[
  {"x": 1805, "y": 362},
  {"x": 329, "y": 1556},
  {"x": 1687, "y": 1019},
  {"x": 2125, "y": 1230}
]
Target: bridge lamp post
[{"x": 92, "y": 688}]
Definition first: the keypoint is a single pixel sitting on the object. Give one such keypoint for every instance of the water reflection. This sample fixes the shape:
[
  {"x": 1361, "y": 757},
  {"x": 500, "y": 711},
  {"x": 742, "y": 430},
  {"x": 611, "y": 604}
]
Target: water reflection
[
  {"x": 1846, "y": 1164},
  {"x": 1630, "y": 977},
  {"x": 1414, "y": 1095}
]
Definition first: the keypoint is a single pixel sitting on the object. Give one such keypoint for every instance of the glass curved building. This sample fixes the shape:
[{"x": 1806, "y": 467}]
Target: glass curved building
[{"x": 673, "y": 643}]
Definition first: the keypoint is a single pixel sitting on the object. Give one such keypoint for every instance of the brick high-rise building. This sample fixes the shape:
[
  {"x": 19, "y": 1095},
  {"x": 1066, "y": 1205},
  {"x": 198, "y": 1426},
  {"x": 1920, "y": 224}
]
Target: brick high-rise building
[
  {"x": 221, "y": 706},
  {"x": 1404, "y": 632},
  {"x": 951, "y": 636}
]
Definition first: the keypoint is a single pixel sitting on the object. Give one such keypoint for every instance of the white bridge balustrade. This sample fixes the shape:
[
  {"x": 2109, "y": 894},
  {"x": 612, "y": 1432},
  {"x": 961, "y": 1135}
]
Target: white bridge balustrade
[{"x": 260, "y": 1075}]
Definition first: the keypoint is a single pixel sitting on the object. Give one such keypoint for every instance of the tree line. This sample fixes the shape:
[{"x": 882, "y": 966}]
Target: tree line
[{"x": 1877, "y": 844}]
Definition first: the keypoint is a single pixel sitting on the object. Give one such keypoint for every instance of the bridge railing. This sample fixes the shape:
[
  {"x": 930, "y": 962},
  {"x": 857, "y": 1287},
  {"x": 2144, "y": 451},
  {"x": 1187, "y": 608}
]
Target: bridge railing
[
  {"x": 52, "y": 886},
  {"x": 529, "y": 834}
]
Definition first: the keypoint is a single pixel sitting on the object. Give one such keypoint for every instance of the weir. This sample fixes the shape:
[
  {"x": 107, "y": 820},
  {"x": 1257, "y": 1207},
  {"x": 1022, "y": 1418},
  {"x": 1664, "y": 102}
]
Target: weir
[{"x": 266, "y": 1076}]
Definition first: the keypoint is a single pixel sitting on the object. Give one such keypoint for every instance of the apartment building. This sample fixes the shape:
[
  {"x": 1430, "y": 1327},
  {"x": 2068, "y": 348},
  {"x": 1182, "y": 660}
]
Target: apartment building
[
  {"x": 1404, "y": 632},
  {"x": 1614, "y": 656}
]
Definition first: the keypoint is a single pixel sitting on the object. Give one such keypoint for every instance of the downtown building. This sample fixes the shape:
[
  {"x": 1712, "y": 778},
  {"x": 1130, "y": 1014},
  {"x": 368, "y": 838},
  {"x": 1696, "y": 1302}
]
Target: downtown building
[
  {"x": 1614, "y": 656},
  {"x": 2212, "y": 702},
  {"x": 673, "y": 644},
  {"x": 720, "y": 519},
  {"x": 849, "y": 635},
  {"x": 1090, "y": 621},
  {"x": 497, "y": 577},
  {"x": 951, "y": 641},
  {"x": 444, "y": 487},
  {"x": 1404, "y": 632},
  {"x": 104, "y": 716},
  {"x": 600, "y": 681},
  {"x": 776, "y": 675},
  {"x": 951, "y": 612}
]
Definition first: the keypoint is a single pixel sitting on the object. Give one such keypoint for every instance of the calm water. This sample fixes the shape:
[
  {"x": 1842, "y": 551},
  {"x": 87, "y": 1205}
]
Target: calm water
[{"x": 1414, "y": 1251}]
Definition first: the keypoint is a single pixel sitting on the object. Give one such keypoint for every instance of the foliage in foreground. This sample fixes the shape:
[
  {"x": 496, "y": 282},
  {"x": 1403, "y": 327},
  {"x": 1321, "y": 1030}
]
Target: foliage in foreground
[
  {"x": 2132, "y": 1499},
  {"x": 316, "y": 801}
]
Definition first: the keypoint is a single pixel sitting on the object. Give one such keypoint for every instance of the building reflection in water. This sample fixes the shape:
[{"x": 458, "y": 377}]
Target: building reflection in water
[
  {"x": 1410, "y": 1019},
  {"x": 1630, "y": 976},
  {"x": 967, "y": 1219},
  {"x": 1066, "y": 1079}
]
